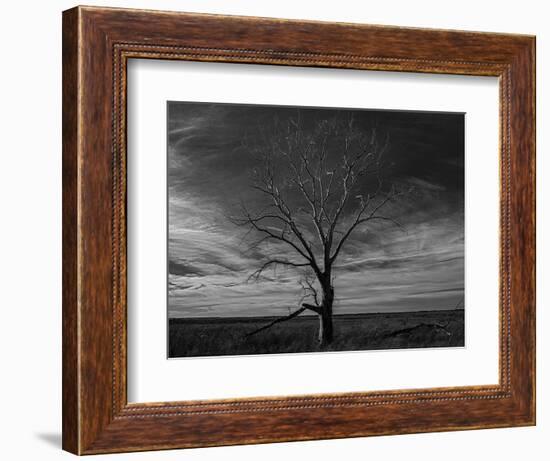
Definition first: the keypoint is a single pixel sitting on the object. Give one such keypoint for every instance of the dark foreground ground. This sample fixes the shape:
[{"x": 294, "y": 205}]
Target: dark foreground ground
[{"x": 219, "y": 336}]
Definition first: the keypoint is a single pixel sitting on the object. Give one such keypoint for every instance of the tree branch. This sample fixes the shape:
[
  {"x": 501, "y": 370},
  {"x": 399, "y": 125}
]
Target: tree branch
[
  {"x": 274, "y": 262},
  {"x": 359, "y": 220}
]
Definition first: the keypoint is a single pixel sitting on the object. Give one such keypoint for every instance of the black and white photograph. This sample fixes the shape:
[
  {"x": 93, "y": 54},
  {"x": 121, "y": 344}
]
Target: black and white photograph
[{"x": 305, "y": 229}]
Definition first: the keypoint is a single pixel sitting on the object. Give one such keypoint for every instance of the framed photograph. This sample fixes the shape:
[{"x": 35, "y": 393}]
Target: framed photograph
[{"x": 280, "y": 230}]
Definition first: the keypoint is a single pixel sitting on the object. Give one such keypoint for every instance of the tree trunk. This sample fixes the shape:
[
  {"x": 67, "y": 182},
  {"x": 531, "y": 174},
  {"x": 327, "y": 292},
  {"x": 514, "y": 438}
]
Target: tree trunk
[
  {"x": 325, "y": 329},
  {"x": 326, "y": 333}
]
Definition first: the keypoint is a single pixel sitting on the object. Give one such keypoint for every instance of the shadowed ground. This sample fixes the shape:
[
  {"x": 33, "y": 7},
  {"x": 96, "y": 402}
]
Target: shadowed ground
[{"x": 401, "y": 330}]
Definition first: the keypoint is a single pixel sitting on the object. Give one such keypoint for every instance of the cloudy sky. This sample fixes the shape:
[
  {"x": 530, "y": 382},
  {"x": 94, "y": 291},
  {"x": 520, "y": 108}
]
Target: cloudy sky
[{"x": 382, "y": 268}]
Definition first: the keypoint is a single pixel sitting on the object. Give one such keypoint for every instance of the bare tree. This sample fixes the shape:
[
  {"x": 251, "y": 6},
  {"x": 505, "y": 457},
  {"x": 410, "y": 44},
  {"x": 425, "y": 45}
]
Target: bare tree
[{"x": 319, "y": 182}]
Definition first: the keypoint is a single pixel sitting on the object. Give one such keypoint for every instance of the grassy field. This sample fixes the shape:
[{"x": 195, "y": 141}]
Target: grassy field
[{"x": 222, "y": 336}]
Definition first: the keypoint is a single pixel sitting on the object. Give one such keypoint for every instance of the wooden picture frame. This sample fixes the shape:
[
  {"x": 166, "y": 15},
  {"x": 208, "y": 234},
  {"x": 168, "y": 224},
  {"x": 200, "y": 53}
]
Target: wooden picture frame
[{"x": 97, "y": 43}]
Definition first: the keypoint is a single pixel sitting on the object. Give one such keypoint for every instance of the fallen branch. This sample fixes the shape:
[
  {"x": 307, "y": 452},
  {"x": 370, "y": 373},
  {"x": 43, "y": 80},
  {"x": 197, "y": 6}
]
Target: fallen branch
[
  {"x": 284, "y": 319},
  {"x": 410, "y": 329}
]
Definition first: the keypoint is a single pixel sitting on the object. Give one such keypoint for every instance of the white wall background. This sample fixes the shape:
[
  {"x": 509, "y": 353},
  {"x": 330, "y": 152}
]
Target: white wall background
[{"x": 30, "y": 232}]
